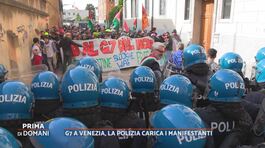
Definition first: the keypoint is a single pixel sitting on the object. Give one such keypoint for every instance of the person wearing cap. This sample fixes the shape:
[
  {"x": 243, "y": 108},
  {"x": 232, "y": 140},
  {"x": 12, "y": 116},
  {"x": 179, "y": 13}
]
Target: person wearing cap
[
  {"x": 152, "y": 60},
  {"x": 211, "y": 55}
]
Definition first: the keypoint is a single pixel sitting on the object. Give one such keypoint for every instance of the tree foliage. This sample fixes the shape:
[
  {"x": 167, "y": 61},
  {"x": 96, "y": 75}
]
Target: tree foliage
[
  {"x": 91, "y": 9},
  {"x": 78, "y": 17},
  {"x": 115, "y": 10}
]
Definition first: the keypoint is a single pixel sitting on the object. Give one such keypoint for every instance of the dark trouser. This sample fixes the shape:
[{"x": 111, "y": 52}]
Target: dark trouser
[
  {"x": 67, "y": 62},
  {"x": 45, "y": 59}
]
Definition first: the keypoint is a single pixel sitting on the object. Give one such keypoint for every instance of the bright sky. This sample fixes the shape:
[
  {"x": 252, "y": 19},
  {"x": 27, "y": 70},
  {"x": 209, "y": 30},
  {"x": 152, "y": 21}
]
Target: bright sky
[{"x": 80, "y": 4}]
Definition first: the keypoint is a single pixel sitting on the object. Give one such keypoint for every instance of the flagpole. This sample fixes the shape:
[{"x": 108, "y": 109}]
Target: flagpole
[
  {"x": 152, "y": 17},
  {"x": 136, "y": 13}
]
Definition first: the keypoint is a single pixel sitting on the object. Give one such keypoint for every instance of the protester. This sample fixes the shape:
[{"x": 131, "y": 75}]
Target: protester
[
  {"x": 211, "y": 55},
  {"x": 36, "y": 52},
  {"x": 152, "y": 61},
  {"x": 66, "y": 43},
  {"x": 177, "y": 57},
  {"x": 50, "y": 50}
]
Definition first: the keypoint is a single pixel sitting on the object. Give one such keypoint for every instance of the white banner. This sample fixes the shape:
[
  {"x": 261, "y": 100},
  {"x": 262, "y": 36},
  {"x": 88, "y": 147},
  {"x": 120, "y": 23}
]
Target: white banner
[{"x": 114, "y": 54}]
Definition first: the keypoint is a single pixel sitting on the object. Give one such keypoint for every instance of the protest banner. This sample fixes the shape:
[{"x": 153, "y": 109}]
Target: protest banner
[{"x": 114, "y": 54}]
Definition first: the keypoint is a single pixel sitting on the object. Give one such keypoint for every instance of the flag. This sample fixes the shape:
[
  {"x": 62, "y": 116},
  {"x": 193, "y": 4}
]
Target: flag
[
  {"x": 135, "y": 24},
  {"x": 90, "y": 25},
  {"x": 116, "y": 21},
  {"x": 125, "y": 26},
  {"x": 145, "y": 22}
]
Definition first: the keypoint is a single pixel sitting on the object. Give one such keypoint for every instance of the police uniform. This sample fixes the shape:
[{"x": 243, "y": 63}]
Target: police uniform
[
  {"x": 197, "y": 70},
  {"x": 114, "y": 102},
  {"x": 80, "y": 94},
  {"x": 144, "y": 90},
  {"x": 16, "y": 108},
  {"x": 199, "y": 75},
  {"x": 225, "y": 122},
  {"x": 45, "y": 87},
  {"x": 230, "y": 122},
  {"x": 123, "y": 119},
  {"x": 177, "y": 116}
]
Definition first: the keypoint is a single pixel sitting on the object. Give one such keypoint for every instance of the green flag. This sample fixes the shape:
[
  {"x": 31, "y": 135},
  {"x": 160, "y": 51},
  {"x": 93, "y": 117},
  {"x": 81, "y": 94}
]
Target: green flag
[
  {"x": 90, "y": 25},
  {"x": 116, "y": 21}
]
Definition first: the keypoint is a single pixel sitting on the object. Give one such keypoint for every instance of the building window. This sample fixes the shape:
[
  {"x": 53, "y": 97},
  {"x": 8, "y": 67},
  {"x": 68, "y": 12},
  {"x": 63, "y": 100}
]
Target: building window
[
  {"x": 147, "y": 6},
  {"x": 73, "y": 13},
  {"x": 187, "y": 10},
  {"x": 226, "y": 9},
  {"x": 162, "y": 10},
  {"x": 69, "y": 13}
]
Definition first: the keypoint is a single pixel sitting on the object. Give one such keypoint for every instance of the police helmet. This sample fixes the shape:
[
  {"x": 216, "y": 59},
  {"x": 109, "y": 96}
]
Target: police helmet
[
  {"x": 260, "y": 71},
  {"x": 3, "y": 73},
  {"x": 7, "y": 140},
  {"x": 260, "y": 54},
  {"x": 142, "y": 79},
  {"x": 176, "y": 89},
  {"x": 91, "y": 64},
  {"x": 61, "y": 135},
  {"x": 114, "y": 93},
  {"x": 231, "y": 61},
  {"x": 193, "y": 54},
  {"x": 226, "y": 86},
  {"x": 45, "y": 86},
  {"x": 16, "y": 101},
  {"x": 177, "y": 116},
  {"x": 79, "y": 88}
]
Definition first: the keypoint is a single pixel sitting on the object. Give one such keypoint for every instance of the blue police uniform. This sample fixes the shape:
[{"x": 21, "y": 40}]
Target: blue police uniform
[
  {"x": 230, "y": 122},
  {"x": 114, "y": 102}
]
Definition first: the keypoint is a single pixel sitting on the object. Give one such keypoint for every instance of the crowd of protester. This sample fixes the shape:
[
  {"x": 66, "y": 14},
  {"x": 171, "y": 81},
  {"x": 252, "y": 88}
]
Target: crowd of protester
[{"x": 55, "y": 42}]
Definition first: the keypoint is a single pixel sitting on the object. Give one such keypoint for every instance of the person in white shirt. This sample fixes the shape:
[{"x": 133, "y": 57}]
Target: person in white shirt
[{"x": 50, "y": 50}]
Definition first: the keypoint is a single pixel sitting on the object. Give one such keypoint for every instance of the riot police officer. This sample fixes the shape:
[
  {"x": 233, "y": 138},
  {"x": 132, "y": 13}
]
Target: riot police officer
[
  {"x": 260, "y": 54},
  {"x": 61, "y": 135},
  {"x": 114, "y": 103},
  {"x": 176, "y": 89},
  {"x": 91, "y": 64},
  {"x": 144, "y": 86},
  {"x": 253, "y": 99},
  {"x": 234, "y": 62},
  {"x": 8, "y": 140},
  {"x": 230, "y": 122},
  {"x": 16, "y": 107},
  {"x": 80, "y": 92},
  {"x": 3, "y": 72},
  {"x": 178, "y": 117},
  {"x": 45, "y": 87},
  {"x": 197, "y": 70}
]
